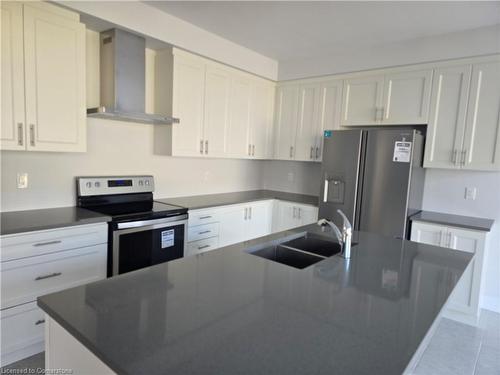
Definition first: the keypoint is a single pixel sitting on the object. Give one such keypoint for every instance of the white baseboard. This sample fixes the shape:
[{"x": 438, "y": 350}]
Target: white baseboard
[
  {"x": 491, "y": 303},
  {"x": 9, "y": 358}
]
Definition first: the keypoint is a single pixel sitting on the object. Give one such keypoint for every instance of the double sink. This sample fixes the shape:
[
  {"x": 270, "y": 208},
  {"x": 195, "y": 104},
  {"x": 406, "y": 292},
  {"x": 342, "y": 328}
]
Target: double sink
[{"x": 300, "y": 252}]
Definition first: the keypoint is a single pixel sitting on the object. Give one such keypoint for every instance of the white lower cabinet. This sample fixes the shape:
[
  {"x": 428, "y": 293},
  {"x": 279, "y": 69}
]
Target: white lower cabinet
[
  {"x": 221, "y": 226},
  {"x": 463, "y": 304},
  {"x": 38, "y": 263}
]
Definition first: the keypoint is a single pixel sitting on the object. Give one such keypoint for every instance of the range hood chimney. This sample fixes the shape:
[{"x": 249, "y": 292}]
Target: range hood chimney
[{"x": 123, "y": 77}]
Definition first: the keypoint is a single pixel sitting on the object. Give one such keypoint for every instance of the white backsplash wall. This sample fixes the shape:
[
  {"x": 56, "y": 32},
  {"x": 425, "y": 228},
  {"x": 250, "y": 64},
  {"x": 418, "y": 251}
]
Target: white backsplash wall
[
  {"x": 118, "y": 148},
  {"x": 292, "y": 176},
  {"x": 445, "y": 191}
]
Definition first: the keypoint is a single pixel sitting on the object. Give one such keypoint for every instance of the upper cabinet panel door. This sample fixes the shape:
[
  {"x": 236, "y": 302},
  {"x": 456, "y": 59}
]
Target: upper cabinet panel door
[
  {"x": 406, "y": 97},
  {"x": 305, "y": 144},
  {"x": 188, "y": 106},
  {"x": 12, "y": 132},
  {"x": 54, "y": 53},
  {"x": 446, "y": 127},
  {"x": 481, "y": 149},
  {"x": 239, "y": 118},
  {"x": 287, "y": 103},
  {"x": 218, "y": 83},
  {"x": 261, "y": 120},
  {"x": 329, "y": 108},
  {"x": 362, "y": 101}
]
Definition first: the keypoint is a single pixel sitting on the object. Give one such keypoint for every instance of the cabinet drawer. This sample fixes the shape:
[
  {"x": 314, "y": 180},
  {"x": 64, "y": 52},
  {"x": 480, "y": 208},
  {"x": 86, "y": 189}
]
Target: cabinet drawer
[
  {"x": 22, "y": 326},
  {"x": 203, "y": 231},
  {"x": 23, "y": 245},
  {"x": 23, "y": 280},
  {"x": 203, "y": 217},
  {"x": 201, "y": 246}
]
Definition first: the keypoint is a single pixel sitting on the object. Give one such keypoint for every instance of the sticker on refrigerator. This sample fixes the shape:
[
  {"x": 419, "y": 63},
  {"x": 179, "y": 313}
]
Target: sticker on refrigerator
[
  {"x": 402, "y": 152},
  {"x": 167, "y": 238},
  {"x": 327, "y": 133}
]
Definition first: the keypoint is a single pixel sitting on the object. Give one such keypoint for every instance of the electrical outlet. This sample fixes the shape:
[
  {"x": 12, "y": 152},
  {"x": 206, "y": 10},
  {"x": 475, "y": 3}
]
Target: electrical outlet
[
  {"x": 22, "y": 180},
  {"x": 470, "y": 193},
  {"x": 291, "y": 177}
]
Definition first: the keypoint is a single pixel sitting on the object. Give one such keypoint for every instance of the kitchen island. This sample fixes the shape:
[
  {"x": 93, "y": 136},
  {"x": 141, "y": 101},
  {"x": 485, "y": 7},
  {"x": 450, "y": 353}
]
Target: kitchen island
[{"x": 231, "y": 312}]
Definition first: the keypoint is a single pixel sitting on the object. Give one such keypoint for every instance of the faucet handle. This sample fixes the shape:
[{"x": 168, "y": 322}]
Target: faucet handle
[{"x": 347, "y": 225}]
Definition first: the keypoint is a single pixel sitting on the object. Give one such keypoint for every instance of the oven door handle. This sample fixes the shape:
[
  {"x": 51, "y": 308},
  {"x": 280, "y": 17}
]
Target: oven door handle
[{"x": 147, "y": 223}]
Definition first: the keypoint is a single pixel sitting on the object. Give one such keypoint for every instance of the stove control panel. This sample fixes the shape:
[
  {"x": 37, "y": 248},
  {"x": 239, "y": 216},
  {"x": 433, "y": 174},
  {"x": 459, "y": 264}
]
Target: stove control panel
[{"x": 102, "y": 185}]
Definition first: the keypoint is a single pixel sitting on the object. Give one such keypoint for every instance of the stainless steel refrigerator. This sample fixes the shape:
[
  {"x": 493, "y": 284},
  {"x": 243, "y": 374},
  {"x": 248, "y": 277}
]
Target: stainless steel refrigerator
[{"x": 374, "y": 176}]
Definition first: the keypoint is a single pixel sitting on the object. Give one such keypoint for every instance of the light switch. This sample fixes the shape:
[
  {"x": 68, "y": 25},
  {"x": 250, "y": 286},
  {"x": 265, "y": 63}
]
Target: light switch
[
  {"x": 22, "y": 180},
  {"x": 470, "y": 193}
]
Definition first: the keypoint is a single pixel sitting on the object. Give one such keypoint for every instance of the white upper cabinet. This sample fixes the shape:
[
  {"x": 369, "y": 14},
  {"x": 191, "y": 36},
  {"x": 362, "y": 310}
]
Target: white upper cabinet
[
  {"x": 239, "y": 118},
  {"x": 329, "y": 108},
  {"x": 13, "y": 131},
  {"x": 261, "y": 120},
  {"x": 305, "y": 144},
  {"x": 216, "y": 120},
  {"x": 447, "y": 116},
  {"x": 53, "y": 86},
  {"x": 464, "y": 125},
  {"x": 481, "y": 149},
  {"x": 407, "y": 97},
  {"x": 188, "y": 106},
  {"x": 362, "y": 101},
  {"x": 286, "y": 114}
]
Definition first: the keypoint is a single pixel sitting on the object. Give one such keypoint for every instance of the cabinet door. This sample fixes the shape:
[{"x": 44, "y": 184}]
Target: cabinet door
[
  {"x": 362, "y": 101},
  {"x": 406, "y": 97},
  {"x": 12, "y": 132},
  {"x": 307, "y": 214},
  {"x": 232, "y": 225},
  {"x": 239, "y": 118},
  {"x": 287, "y": 217},
  {"x": 188, "y": 106},
  {"x": 430, "y": 234},
  {"x": 54, "y": 55},
  {"x": 258, "y": 220},
  {"x": 330, "y": 100},
  {"x": 481, "y": 150},
  {"x": 261, "y": 120},
  {"x": 216, "y": 120},
  {"x": 465, "y": 297},
  {"x": 447, "y": 117},
  {"x": 305, "y": 144},
  {"x": 287, "y": 101}
]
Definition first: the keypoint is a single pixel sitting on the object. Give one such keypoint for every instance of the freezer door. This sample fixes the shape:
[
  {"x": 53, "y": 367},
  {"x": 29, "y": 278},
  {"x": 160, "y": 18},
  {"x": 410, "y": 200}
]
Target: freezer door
[
  {"x": 340, "y": 169},
  {"x": 383, "y": 201}
]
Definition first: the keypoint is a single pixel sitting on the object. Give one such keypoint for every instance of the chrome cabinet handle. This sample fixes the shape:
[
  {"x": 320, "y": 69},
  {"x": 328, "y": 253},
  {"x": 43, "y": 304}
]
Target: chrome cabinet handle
[
  {"x": 300, "y": 213},
  {"x": 382, "y": 111},
  {"x": 203, "y": 247},
  {"x": 204, "y": 232},
  {"x": 249, "y": 149},
  {"x": 311, "y": 153},
  {"x": 294, "y": 212},
  {"x": 206, "y": 147},
  {"x": 376, "y": 113},
  {"x": 250, "y": 213},
  {"x": 32, "y": 135},
  {"x": 291, "y": 151},
  {"x": 317, "y": 152},
  {"x": 463, "y": 159},
  {"x": 47, "y": 243},
  {"x": 48, "y": 276},
  {"x": 253, "y": 150},
  {"x": 440, "y": 237},
  {"x": 40, "y": 321},
  {"x": 246, "y": 213},
  {"x": 205, "y": 217},
  {"x": 454, "y": 157},
  {"x": 20, "y": 140},
  {"x": 449, "y": 239},
  {"x": 201, "y": 146}
]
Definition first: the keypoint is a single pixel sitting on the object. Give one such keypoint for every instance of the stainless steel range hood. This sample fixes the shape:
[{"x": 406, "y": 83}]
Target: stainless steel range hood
[{"x": 123, "y": 78}]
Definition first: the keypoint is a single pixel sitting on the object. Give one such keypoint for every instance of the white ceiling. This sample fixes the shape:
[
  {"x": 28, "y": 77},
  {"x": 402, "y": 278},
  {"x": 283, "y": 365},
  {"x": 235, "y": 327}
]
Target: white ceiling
[{"x": 289, "y": 30}]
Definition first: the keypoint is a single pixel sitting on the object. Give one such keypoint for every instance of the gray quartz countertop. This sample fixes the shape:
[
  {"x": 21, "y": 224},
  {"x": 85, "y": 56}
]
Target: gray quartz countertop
[
  {"x": 467, "y": 222},
  {"x": 48, "y": 218},
  {"x": 213, "y": 200},
  {"x": 231, "y": 312}
]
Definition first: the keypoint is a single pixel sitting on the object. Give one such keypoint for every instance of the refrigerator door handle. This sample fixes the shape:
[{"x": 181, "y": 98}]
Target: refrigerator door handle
[{"x": 325, "y": 191}]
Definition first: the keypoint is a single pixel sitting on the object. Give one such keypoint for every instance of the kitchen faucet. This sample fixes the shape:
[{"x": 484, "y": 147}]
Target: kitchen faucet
[{"x": 344, "y": 237}]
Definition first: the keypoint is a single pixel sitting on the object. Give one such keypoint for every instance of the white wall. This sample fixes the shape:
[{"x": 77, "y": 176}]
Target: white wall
[
  {"x": 118, "y": 148},
  {"x": 444, "y": 192},
  {"x": 475, "y": 42},
  {"x": 292, "y": 176}
]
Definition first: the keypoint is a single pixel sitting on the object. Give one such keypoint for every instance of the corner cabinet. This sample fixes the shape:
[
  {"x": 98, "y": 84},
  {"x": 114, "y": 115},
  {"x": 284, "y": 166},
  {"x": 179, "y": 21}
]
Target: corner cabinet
[
  {"x": 223, "y": 112},
  {"x": 43, "y": 78},
  {"x": 463, "y": 304},
  {"x": 464, "y": 124}
]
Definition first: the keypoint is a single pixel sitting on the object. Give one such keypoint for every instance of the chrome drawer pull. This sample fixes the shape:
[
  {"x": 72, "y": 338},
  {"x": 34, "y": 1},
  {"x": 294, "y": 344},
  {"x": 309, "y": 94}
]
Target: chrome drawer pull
[
  {"x": 32, "y": 135},
  {"x": 48, "y": 276},
  {"x": 203, "y": 247},
  {"x": 201, "y": 147},
  {"x": 204, "y": 232},
  {"x": 47, "y": 243},
  {"x": 41, "y": 321},
  {"x": 205, "y": 217},
  {"x": 20, "y": 135}
]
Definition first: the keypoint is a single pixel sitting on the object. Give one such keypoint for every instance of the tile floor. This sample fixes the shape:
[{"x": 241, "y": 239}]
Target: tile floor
[{"x": 455, "y": 349}]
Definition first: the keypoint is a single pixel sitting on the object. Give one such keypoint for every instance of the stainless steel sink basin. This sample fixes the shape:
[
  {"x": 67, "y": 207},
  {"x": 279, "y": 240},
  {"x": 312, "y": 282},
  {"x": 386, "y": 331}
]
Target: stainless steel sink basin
[
  {"x": 288, "y": 256},
  {"x": 315, "y": 245}
]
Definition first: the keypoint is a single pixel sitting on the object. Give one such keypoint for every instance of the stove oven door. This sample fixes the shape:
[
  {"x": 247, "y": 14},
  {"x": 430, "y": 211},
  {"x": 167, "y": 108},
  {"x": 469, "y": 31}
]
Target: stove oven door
[{"x": 140, "y": 244}]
